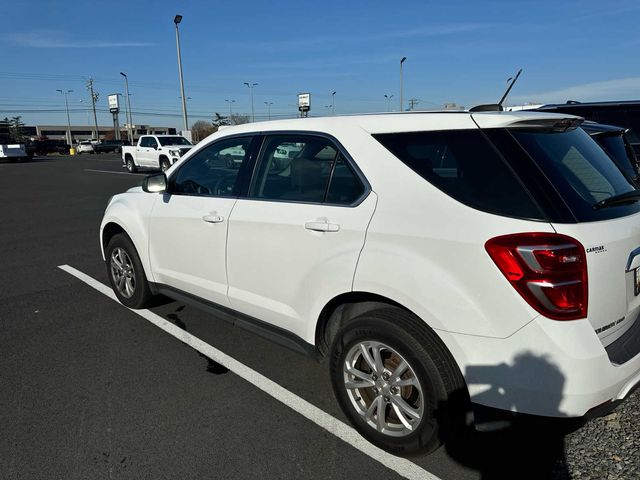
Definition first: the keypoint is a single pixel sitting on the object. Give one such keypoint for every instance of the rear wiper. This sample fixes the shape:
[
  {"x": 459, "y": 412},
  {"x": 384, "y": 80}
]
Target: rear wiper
[{"x": 627, "y": 197}]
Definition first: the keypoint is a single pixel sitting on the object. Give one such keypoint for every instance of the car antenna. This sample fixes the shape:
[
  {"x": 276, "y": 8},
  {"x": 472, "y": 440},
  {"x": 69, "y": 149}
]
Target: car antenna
[{"x": 504, "y": 97}]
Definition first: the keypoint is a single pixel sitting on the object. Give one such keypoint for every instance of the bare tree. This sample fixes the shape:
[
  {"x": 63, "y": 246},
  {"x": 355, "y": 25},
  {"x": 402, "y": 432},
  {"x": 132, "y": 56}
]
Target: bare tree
[{"x": 202, "y": 129}]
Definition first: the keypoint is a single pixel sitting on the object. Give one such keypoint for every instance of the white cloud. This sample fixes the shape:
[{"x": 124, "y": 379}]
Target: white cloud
[
  {"x": 618, "y": 89},
  {"x": 59, "y": 39}
]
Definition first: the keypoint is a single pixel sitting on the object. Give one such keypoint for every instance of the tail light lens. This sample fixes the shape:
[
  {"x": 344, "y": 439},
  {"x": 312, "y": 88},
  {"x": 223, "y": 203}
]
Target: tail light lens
[{"x": 548, "y": 270}]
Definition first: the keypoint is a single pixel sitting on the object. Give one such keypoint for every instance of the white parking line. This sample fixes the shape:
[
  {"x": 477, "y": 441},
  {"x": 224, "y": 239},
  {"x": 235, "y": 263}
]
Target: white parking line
[
  {"x": 108, "y": 171},
  {"x": 401, "y": 466}
]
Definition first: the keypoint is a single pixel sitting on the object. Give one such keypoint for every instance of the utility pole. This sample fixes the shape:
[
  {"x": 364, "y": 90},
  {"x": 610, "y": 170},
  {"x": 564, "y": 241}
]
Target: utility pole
[
  {"x": 388, "y": 97},
  {"x": 413, "y": 102},
  {"x": 129, "y": 121},
  {"x": 268, "y": 104},
  {"x": 177, "y": 19},
  {"x": 94, "y": 99},
  {"x": 230, "y": 111},
  {"x": 401, "y": 82},
  {"x": 66, "y": 103},
  {"x": 251, "y": 85}
]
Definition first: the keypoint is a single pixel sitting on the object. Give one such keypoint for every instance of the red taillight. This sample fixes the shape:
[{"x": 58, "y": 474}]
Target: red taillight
[{"x": 547, "y": 269}]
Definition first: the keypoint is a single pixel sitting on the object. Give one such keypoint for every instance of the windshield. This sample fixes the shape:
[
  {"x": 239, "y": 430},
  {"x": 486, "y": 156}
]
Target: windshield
[
  {"x": 177, "y": 140},
  {"x": 581, "y": 172}
]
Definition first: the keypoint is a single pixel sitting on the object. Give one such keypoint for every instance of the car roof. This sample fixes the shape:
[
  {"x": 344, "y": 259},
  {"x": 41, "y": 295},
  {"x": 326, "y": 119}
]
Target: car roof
[{"x": 395, "y": 122}]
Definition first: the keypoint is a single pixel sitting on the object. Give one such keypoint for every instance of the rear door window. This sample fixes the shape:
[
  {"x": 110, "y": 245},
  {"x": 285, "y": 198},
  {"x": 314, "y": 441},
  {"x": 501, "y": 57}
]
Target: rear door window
[
  {"x": 464, "y": 165},
  {"x": 304, "y": 168}
]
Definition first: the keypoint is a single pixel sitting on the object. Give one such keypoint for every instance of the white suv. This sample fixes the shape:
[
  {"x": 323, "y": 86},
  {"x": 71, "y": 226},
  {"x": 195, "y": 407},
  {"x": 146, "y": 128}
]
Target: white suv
[{"x": 489, "y": 256}]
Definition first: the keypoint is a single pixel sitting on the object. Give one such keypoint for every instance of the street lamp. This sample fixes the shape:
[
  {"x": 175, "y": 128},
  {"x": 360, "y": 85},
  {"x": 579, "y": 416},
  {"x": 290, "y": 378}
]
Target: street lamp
[
  {"x": 401, "y": 62},
  {"x": 177, "y": 19},
  {"x": 268, "y": 104},
  {"x": 66, "y": 103},
  {"x": 328, "y": 107},
  {"x": 251, "y": 85},
  {"x": 230, "y": 102},
  {"x": 129, "y": 121},
  {"x": 333, "y": 103},
  {"x": 388, "y": 97}
]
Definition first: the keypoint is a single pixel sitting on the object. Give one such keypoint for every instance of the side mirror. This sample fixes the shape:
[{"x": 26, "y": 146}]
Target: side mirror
[{"x": 156, "y": 183}]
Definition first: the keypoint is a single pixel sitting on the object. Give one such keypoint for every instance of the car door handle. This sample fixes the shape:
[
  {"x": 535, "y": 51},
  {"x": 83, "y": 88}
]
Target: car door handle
[
  {"x": 213, "y": 218},
  {"x": 322, "y": 226}
]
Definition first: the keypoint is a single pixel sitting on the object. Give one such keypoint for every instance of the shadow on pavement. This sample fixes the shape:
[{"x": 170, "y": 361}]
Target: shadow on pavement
[
  {"x": 212, "y": 366},
  {"x": 509, "y": 446}
]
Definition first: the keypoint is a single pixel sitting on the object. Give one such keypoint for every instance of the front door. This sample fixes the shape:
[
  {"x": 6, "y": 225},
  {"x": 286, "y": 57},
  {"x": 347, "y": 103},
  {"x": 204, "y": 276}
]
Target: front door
[{"x": 188, "y": 230}]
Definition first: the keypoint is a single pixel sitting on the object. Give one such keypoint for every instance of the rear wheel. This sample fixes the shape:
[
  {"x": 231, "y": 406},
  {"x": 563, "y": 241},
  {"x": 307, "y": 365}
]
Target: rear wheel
[
  {"x": 392, "y": 378},
  {"x": 131, "y": 167},
  {"x": 126, "y": 274}
]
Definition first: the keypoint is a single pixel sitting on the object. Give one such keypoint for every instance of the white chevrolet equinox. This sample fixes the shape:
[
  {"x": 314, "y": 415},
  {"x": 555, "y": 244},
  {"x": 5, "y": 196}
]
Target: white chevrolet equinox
[{"x": 491, "y": 256}]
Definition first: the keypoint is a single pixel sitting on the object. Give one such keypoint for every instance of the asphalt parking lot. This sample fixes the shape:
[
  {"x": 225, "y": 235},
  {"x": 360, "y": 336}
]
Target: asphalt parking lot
[{"x": 93, "y": 390}]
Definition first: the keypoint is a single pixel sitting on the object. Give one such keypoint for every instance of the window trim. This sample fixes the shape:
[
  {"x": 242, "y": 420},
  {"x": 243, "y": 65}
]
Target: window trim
[{"x": 348, "y": 160}]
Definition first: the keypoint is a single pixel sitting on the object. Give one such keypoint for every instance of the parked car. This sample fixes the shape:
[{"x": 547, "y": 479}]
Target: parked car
[
  {"x": 45, "y": 146},
  {"x": 85, "y": 147},
  {"x": 108, "y": 146},
  {"x": 155, "y": 151},
  {"x": 614, "y": 141},
  {"x": 432, "y": 257},
  {"x": 622, "y": 113}
]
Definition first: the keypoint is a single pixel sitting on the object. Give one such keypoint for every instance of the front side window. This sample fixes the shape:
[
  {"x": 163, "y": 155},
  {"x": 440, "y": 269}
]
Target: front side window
[
  {"x": 303, "y": 168},
  {"x": 209, "y": 173}
]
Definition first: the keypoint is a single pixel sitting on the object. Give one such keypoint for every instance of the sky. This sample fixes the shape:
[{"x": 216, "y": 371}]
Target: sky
[{"x": 457, "y": 52}]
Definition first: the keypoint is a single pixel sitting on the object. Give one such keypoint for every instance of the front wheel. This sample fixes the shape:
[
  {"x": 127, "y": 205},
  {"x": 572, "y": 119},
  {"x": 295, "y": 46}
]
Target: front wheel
[
  {"x": 164, "y": 164},
  {"x": 391, "y": 377},
  {"x": 126, "y": 274}
]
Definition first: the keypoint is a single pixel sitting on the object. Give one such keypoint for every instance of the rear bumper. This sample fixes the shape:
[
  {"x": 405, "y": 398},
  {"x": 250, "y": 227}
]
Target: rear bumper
[{"x": 548, "y": 368}]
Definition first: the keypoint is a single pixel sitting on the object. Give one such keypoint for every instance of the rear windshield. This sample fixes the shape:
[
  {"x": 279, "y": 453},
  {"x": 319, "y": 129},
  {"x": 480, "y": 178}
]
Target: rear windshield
[
  {"x": 581, "y": 172},
  {"x": 177, "y": 140},
  {"x": 466, "y": 166}
]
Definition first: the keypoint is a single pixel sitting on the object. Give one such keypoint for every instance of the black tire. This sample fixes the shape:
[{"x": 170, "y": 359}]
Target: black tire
[
  {"x": 126, "y": 274},
  {"x": 399, "y": 336},
  {"x": 131, "y": 167},
  {"x": 164, "y": 164}
]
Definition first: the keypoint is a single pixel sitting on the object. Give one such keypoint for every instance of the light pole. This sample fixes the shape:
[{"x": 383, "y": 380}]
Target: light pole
[
  {"x": 177, "y": 19},
  {"x": 388, "y": 97},
  {"x": 251, "y": 85},
  {"x": 66, "y": 103},
  {"x": 401, "y": 85},
  {"x": 268, "y": 104},
  {"x": 129, "y": 121},
  {"x": 333, "y": 103},
  {"x": 230, "y": 102}
]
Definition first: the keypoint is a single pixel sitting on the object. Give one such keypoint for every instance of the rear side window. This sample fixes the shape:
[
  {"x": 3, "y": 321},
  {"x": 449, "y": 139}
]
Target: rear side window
[
  {"x": 579, "y": 170},
  {"x": 464, "y": 165}
]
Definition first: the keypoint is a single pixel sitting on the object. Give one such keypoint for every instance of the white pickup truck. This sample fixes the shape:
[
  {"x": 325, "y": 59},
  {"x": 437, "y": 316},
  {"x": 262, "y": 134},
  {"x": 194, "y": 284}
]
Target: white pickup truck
[{"x": 155, "y": 151}]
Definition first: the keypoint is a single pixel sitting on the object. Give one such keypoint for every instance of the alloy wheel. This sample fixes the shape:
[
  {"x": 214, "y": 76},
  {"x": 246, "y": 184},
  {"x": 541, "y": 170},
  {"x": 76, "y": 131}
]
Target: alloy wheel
[
  {"x": 383, "y": 388},
  {"x": 122, "y": 272}
]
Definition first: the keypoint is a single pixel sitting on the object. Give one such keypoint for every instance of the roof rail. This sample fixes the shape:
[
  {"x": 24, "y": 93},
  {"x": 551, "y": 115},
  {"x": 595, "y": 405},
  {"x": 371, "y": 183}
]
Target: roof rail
[{"x": 489, "y": 107}]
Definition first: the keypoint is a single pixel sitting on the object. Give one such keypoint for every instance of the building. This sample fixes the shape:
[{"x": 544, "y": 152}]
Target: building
[{"x": 86, "y": 132}]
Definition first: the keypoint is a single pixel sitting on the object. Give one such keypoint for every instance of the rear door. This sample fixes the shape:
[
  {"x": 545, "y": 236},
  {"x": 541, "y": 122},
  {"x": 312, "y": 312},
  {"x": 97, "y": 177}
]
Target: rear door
[{"x": 295, "y": 241}]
